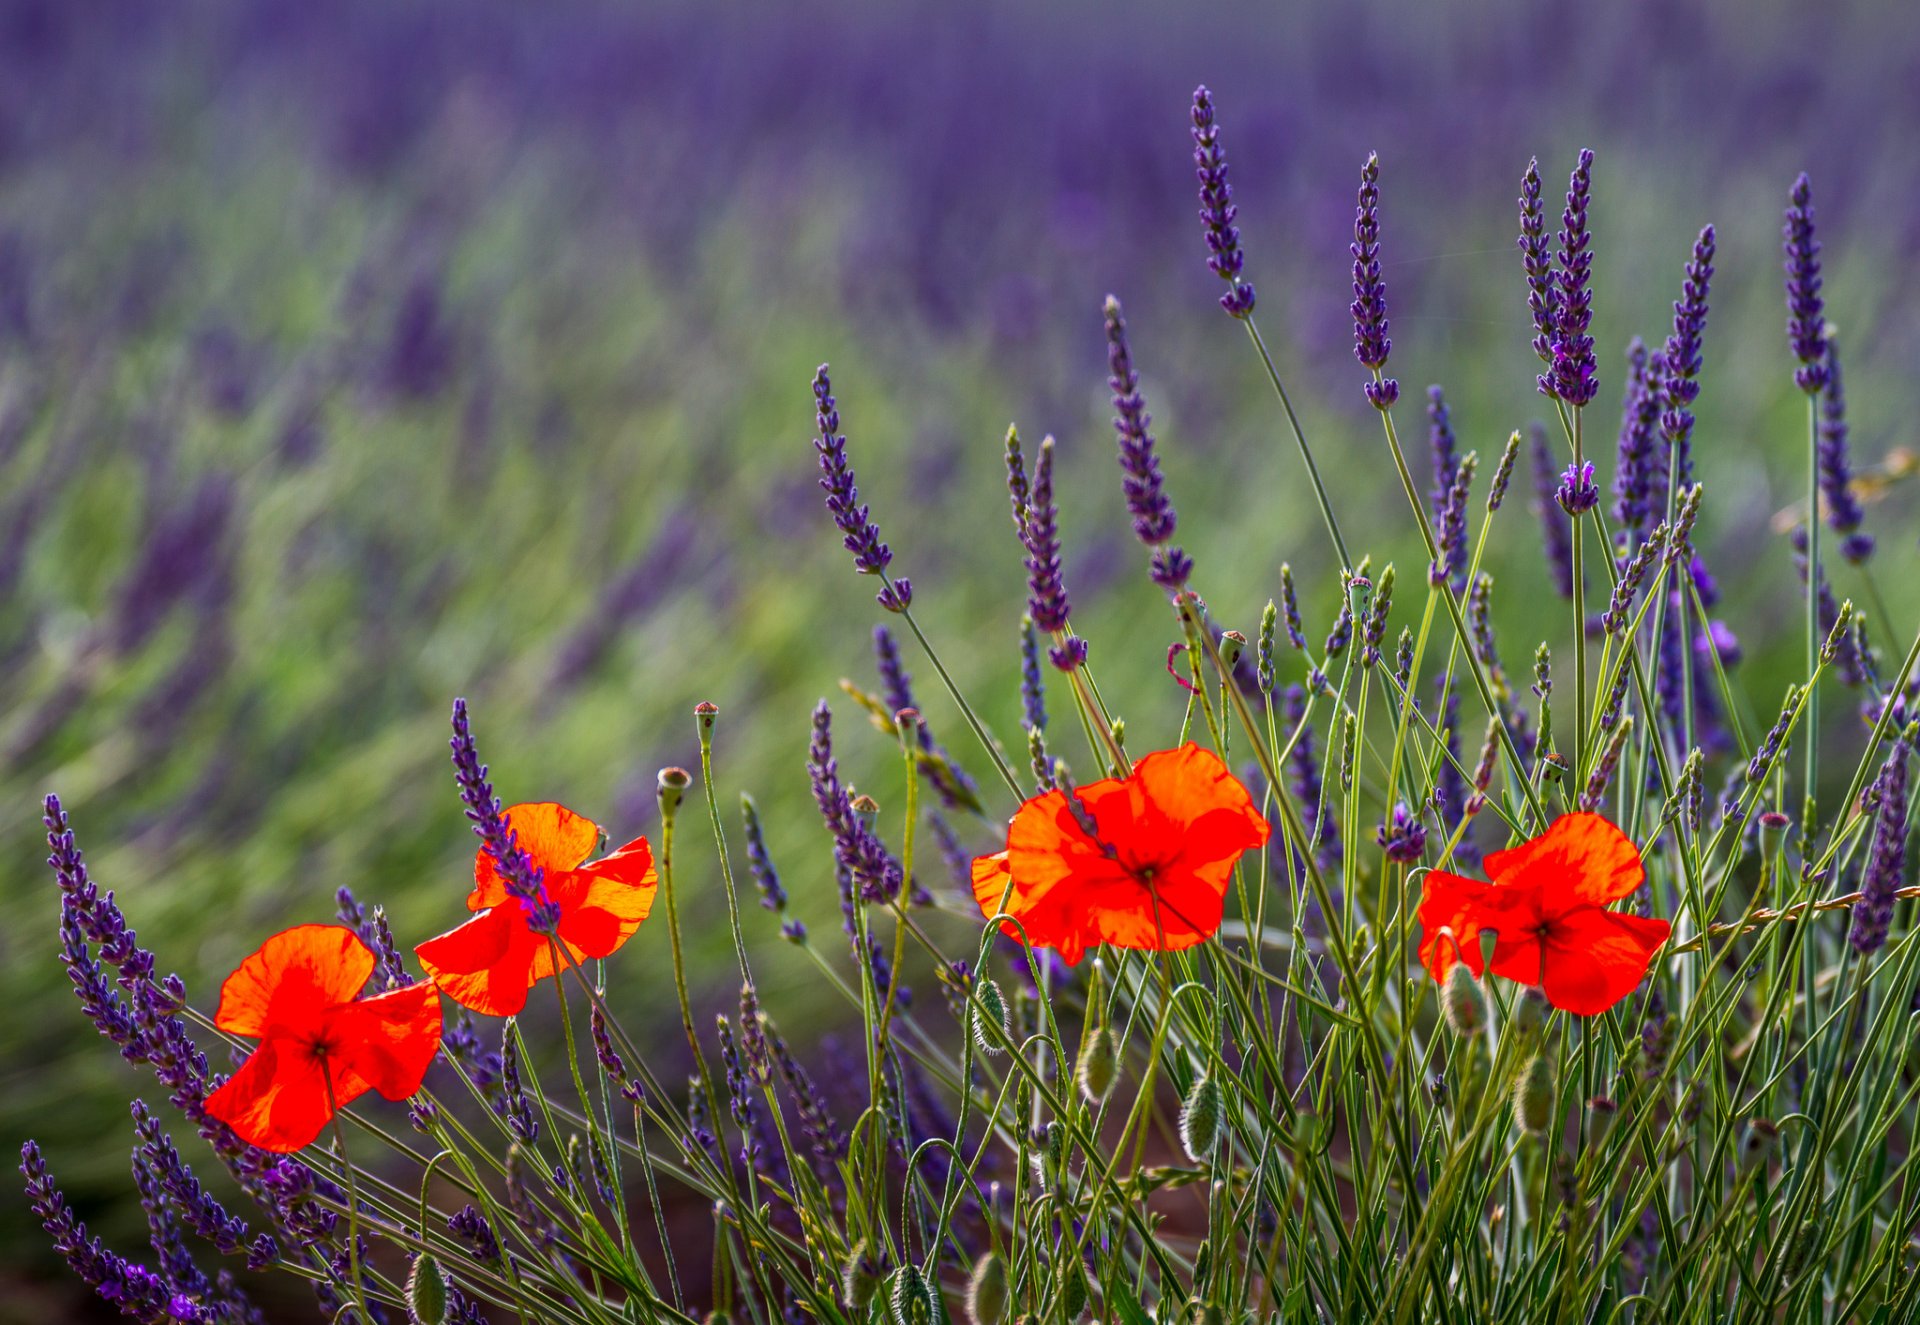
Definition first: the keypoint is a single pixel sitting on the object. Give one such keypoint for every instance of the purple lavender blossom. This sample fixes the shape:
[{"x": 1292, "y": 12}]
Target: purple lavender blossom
[
  {"x": 1451, "y": 532},
  {"x": 1033, "y": 695},
  {"x": 1543, "y": 296},
  {"x": 1047, "y": 600},
  {"x": 1147, "y": 503},
  {"x": 1574, "y": 369},
  {"x": 470, "y": 1225},
  {"x": 1577, "y": 493},
  {"x": 740, "y": 1091},
  {"x": 1843, "y": 508},
  {"x": 1806, "y": 310},
  {"x": 825, "y": 1139},
  {"x": 135, "y": 1290},
  {"x": 1371, "y": 344},
  {"x": 1847, "y": 660},
  {"x": 1639, "y": 462},
  {"x": 1216, "y": 206},
  {"x": 1307, "y": 789},
  {"x": 855, "y": 847},
  {"x": 1442, "y": 445},
  {"x": 1553, "y": 520},
  {"x": 759, "y": 863},
  {"x": 954, "y": 787},
  {"x": 524, "y": 881},
  {"x": 1403, "y": 836},
  {"x": 859, "y": 533},
  {"x": 1683, "y": 359},
  {"x": 1886, "y": 862}
]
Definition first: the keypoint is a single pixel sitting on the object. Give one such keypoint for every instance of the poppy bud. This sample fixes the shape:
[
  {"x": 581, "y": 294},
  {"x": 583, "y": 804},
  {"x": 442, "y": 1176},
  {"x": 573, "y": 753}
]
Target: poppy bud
[
  {"x": 426, "y": 1292},
  {"x": 1462, "y": 1001},
  {"x": 992, "y": 1012},
  {"x": 1073, "y": 1293},
  {"x": 1489, "y": 940},
  {"x": 1202, "y": 1260},
  {"x": 673, "y": 784},
  {"x": 1200, "y": 1118},
  {"x": 859, "y": 1279},
  {"x": 1099, "y": 1057},
  {"x": 987, "y": 1291},
  {"x": 1601, "y": 1112},
  {"x": 1530, "y": 1013},
  {"x": 1049, "y": 1150},
  {"x": 911, "y": 1302},
  {"x": 1800, "y": 1247},
  {"x": 1533, "y": 1097},
  {"x": 1757, "y": 1144}
]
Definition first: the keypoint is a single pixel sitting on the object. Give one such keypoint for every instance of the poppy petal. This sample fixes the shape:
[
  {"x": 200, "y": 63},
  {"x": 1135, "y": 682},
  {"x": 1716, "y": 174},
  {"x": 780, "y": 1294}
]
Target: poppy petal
[
  {"x": 388, "y": 1041},
  {"x": 1581, "y": 859},
  {"x": 489, "y": 963},
  {"x": 1595, "y": 958},
  {"x": 554, "y": 838},
  {"x": 1457, "y": 905},
  {"x": 1192, "y": 788},
  {"x": 277, "y": 1100},
  {"x": 604, "y": 903},
  {"x": 292, "y": 978}
]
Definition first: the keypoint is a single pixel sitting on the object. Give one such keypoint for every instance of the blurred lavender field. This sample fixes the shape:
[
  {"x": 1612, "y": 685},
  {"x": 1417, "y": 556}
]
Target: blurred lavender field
[{"x": 357, "y": 355}]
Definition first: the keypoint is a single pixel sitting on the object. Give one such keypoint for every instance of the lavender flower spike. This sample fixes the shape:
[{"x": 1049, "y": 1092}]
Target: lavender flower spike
[
  {"x": 1577, "y": 493},
  {"x": 1443, "y": 445},
  {"x": 1806, "y": 310},
  {"x": 1873, "y": 913},
  {"x": 1046, "y": 591},
  {"x": 1553, "y": 523},
  {"x": 1216, "y": 206},
  {"x": 1843, "y": 508},
  {"x": 1574, "y": 370},
  {"x": 1638, "y": 464},
  {"x": 523, "y": 879},
  {"x": 1153, "y": 517},
  {"x": 1543, "y": 298},
  {"x": 858, "y": 531},
  {"x": 1370, "y": 341},
  {"x": 1683, "y": 359}
]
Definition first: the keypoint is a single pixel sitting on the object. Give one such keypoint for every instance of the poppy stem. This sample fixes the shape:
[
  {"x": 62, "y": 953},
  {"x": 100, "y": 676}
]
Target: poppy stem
[{"x": 353, "y": 1192}]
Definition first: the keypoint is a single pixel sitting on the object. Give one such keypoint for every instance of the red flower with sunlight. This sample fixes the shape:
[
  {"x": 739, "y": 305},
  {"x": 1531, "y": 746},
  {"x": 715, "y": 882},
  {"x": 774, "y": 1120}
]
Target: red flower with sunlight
[
  {"x": 1548, "y": 904},
  {"x": 489, "y": 963},
  {"x": 320, "y": 1049},
  {"x": 1152, "y": 875}
]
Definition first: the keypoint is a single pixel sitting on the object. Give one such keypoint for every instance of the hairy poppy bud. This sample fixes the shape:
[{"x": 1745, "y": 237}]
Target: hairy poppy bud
[
  {"x": 1200, "y": 1116},
  {"x": 1533, "y": 1097},
  {"x": 989, "y": 1018},
  {"x": 1099, "y": 1060},
  {"x": 1073, "y": 1293},
  {"x": 426, "y": 1292},
  {"x": 912, "y": 1301},
  {"x": 987, "y": 1291},
  {"x": 1462, "y": 1001},
  {"x": 859, "y": 1279},
  {"x": 1530, "y": 1013},
  {"x": 1601, "y": 1112},
  {"x": 1049, "y": 1142}
]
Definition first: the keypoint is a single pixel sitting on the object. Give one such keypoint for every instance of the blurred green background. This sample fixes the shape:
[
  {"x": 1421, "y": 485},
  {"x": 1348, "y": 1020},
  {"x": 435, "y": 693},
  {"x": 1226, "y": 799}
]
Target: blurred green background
[{"x": 357, "y": 356}]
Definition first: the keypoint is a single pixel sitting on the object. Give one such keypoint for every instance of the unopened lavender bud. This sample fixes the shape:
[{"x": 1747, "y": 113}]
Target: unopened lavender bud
[
  {"x": 426, "y": 1292},
  {"x": 1263, "y": 654},
  {"x": 1296, "y": 635},
  {"x": 1837, "y": 637},
  {"x": 1601, "y": 1111},
  {"x": 1533, "y": 1097},
  {"x": 1530, "y": 1013},
  {"x": 1503, "y": 475},
  {"x": 1200, "y": 1118},
  {"x": 1758, "y": 1141},
  {"x": 987, "y": 1297},
  {"x": 672, "y": 784},
  {"x": 1098, "y": 1065},
  {"x": 990, "y": 1017},
  {"x": 1463, "y": 1002}
]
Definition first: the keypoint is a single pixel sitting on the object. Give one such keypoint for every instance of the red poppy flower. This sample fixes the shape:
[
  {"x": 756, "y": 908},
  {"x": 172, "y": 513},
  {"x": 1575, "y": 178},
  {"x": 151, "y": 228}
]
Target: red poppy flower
[
  {"x": 1156, "y": 876},
  {"x": 319, "y": 1048},
  {"x": 489, "y": 963},
  {"x": 1548, "y": 904}
]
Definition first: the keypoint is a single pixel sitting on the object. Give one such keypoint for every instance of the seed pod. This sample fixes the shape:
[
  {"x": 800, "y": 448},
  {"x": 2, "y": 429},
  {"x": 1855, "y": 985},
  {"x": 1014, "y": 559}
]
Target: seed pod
[
  {"x": 426, "y": 1292},
  {"x": 1757, "y": 1144},
  {"x": 859, "y": 1279},
  {"x": 1462, "y": 1001},
  {"x": 1200, "y": 1117},
  {"x": 1533, "y": 1097},
  {"x": 1098, "y": 1065},
  {"x": 991, "y": 1011},
  {"x": 987, "y": 1291},
  {"x": 1530, "y": 1013},
  {"x": 1601, "y": 1112}
]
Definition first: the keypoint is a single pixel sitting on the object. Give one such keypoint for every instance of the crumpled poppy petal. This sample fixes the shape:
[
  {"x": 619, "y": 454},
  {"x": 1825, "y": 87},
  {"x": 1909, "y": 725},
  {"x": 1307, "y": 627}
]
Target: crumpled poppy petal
[
  {"x": 489, "y": 963},
  {"x": 1595, "y": 958},
  {"x": 277, "y": 1100},
  {"x": 603, "y": 904},
  {"x": 554, "y": 838},
  {"x": 292, "y": 978},
  {"x": 388, "y": 1042},
  {"x": 1455, "y": 904},
  {"x": 1581, "y": 859}
]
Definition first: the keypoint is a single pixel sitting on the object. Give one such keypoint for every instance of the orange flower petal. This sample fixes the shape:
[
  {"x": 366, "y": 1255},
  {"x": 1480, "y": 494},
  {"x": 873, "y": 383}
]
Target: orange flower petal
[
  {"x": 489, "y": 963},
  {"x": 1191, "y": 790},
  {"x": 293, "y": 978},
  {"x": 1455, "y": 904},
  {"x": 388, "y": 1042},
  {"x": 604, "y": 903},
  {"x": 554, "y": 838},
  {"x": 1581, "y": 859},
  {"x": 278, "y": 1099},
  {"x": 1595, "y": 958}
]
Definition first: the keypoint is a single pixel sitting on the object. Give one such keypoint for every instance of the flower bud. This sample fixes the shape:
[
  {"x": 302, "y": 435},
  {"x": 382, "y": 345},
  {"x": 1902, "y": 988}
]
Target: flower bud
[
  {"x": 1533, "y": 1097},
  {"x": 1099, "y": 1061},
  {"x": 987, "y": 1291},
  {"x": 1200, "y": 1117},
  {"x": 1463, "y": 1002},
  {"x": 1489, "y": 940},
  {"x": 1530, "y": 1013},
  {"x": 911, "y": 1302},
  {"x": 426, "y": 1292},
  {"x": 989, "y": 1018},
  {"x": 859, "y": 1279},
  {"x": 1049, "y": 1141},
  {"x": 1601, "y": 1111}
]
